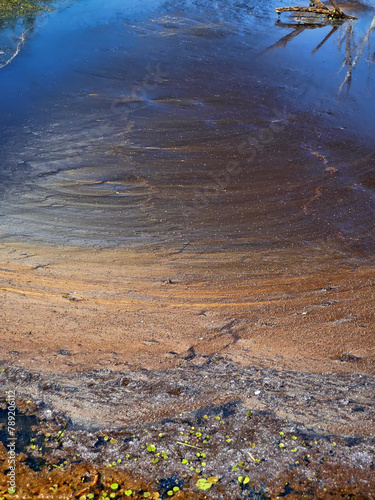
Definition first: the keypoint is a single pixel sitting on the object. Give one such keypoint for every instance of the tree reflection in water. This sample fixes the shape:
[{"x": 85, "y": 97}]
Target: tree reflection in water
[
  {"x": 345, "y": 32},
  {"x": 17, "y": 20}
]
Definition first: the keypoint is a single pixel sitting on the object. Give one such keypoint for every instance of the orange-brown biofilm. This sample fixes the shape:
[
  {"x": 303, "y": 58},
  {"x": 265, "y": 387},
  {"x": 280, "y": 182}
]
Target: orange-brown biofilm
[{"x": 147, "y": 306}]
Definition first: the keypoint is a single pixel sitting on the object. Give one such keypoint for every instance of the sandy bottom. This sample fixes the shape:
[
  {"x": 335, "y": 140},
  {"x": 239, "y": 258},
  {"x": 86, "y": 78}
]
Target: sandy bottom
[{"x": 73, "y": 309}]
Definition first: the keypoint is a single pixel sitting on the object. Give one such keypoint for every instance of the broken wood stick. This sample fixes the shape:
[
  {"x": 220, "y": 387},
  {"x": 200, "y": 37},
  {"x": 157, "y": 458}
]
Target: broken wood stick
[
  {"x": 337, "y": 8},
  {"x": 319, "y": 8},
  {"x": 304, "y": 9},
  {"x": 319, "y": 5}
]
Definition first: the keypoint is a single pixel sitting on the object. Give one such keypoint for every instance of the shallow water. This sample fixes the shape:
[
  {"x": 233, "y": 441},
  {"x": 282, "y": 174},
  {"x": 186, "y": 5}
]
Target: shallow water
[
  {"x": 248, "y": 164},
  {"x": 129, "y": 122}
]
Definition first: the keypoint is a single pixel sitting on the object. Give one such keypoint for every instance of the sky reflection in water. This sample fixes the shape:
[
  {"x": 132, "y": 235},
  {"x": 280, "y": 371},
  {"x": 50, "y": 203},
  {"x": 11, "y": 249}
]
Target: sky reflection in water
[{"x": 77, "y": 36}]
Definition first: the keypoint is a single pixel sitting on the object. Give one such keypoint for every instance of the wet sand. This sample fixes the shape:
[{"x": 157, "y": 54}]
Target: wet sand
[
  {"x": 182, "y": 243},
  {"x": 150, "y": 307}
]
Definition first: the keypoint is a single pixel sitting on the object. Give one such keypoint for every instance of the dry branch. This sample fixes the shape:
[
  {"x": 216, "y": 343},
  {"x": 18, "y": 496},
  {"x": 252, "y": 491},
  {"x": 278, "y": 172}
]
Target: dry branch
[
  {"x": 319, "y": 5},
  {"x": 319, "y": 8},
  {"x": 337, "y": 8},
  {"x": 304, "y": 9}
]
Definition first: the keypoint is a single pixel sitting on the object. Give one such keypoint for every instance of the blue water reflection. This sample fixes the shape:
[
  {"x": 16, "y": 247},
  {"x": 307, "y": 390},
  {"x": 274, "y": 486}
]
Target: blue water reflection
[{"x": 77, "y": 35}]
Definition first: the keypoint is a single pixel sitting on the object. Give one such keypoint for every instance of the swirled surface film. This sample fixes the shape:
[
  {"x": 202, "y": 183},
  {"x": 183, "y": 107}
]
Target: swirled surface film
[{"x": 127, "y": 122}]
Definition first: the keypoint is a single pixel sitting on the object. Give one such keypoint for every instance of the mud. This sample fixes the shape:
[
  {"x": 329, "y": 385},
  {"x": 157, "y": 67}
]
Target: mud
[{"x": 291, "y": 433}]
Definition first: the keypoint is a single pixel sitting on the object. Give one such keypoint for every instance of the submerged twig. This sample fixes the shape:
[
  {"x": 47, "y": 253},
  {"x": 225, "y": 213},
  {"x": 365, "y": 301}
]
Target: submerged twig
[
  {"x": 190, "y": 445},
  {"x": 251, "y": 456},
  {"x": 62, "y": 431}
]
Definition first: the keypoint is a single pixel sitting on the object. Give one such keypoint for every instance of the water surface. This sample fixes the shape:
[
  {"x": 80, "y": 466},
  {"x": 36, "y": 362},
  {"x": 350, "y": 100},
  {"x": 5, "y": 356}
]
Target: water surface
[{"x": 132, "y": 122}]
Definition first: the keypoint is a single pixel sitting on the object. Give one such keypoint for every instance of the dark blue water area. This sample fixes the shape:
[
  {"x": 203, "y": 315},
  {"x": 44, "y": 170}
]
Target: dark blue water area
[
  {"x": 112, "y": 110},
  {"x": 64, "y": 49},
  {"x": 56, "y": 48}
]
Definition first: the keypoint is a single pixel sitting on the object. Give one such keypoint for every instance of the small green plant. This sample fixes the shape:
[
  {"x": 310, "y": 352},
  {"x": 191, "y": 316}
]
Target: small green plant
[
  {"x": 203, "y": 484},
  {"x": 243, "y": 480}
]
